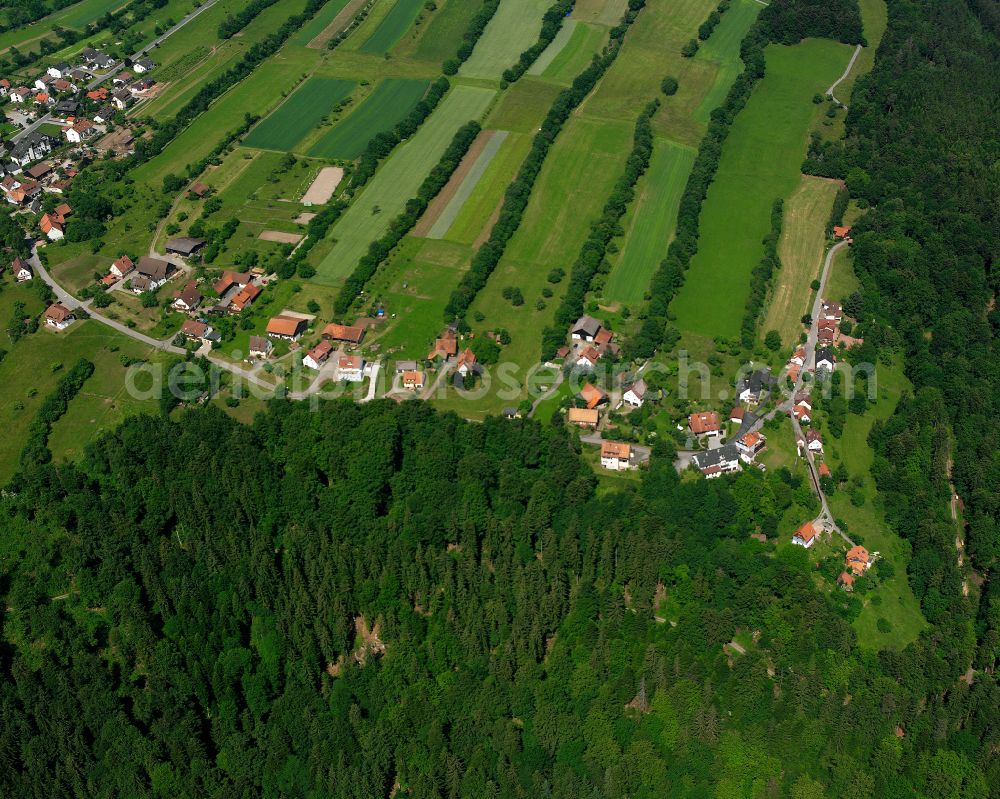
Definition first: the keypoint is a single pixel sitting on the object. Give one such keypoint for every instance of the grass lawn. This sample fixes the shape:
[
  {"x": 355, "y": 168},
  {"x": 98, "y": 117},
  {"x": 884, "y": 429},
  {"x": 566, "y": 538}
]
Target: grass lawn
[
  {"x": 723, "y": 50},
  {"x": 841, "y": 282},
  {"x": 574, "y": 55},
  {"x": 391, "y": 101},
  {"x": 760, "y": 163},
  {"x": 650, "y": 222},
  {"x": 801, "y": 250},
  {"x": 550, "y": 405},
  {"x": 398, "y": 180},
  {"x": 566, "y": 34},
  {"x": 299, "y": 114},
  {"x": 523, "y": 107},
  {"x": 392, "y": 28},
  {"x": 75, "y": 16},
  {"x": 316, "y": 25},
  {"x": 600, "y": 12},
  {"x": 473, "y": 219},
  {"x": 443, "y": 34},
  {"x": 514, "y": 28}
]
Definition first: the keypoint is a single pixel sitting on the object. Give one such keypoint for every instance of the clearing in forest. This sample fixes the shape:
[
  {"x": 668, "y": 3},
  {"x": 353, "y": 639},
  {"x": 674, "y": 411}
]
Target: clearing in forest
[
  {"x": 397, "y": 181},
  {"x": 304, "y": 109},
  {"x": 651, "y": 222},
  {"x": 800, "y": 249},
  {"x": 759, "y": 163},
  {"x": 389, "y": 104}
]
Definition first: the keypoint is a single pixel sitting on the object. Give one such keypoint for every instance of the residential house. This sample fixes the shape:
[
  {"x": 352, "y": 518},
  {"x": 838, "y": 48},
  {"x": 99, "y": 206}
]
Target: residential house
[
  {"x": 814, "y": 441},
  {"x": 350, "y": 368},
  {"x": 196, "y": 330},
  {"x": 197, "y": 191},
  {"x": 719, "y": 461},
  {"x": 805, "y": 536},
  {"x": 104, "y": 114},
  {"x": 59, "y": 70},
  {"x": 230, "y": 279},
  {"x": 616, "y": 456},
  {"x": 95, "y": 59},
  {"x": 824, "y": 471},
  {"x": 466, "y": 362},
  {"x": 736, "y": 415},
  {"x": 832, "y": 311},
  {"x": 58, "y": 316},
  {"x": 705, "y": 423},
  {"x": 52, "y": 226},
  {"x": 858, "y": 560},
  {"x": 123, "y": 78},
  {"x": 510, "y": 412},
  {"x": 20, "y": 94},
  {"x": 260, "y": 347},
  {"x": 43, "y": 82},
  {"x": 825, "y": 359},
  {"x": 80, "y": 131},
  {"x": 21, "y": 270},
  {"x": 154, "y": 271},
  {"x": 318, "y": 355},
  {"x": 826, "y": 331},
  {"x": 584, "y": 417},
  {"x": 122, "y": 99},
  {"x": 244, "y": 298},
  {"x": 755, "y": 386},
  {"x": 413, "y": 380},
  {"x": 588, "y": 358},
  {"x": 31, "y": 148},
  {"x": 802, "y": 413},
  {"x": 585, "y": 328},
  {"x": 444, "y": 347},
  {"x": 286, "y": 327},
  {"x": 185, "y": 245},
  {"x": 188, "y": 299},
  {"x": 346, "y": 333},
  {"x": 798, "y": 357},
  {"x": 80, "y": 75},
  {"x": 142, "y": 85},
  {"x": 98, "y": 95},
  {"x": 635, "y": 394},
  {"x": 842, "y": 232},
  {"x": 123, "y": 267},
  {"x": 405, "y": 366},
  {"x": 750, "y": 445},
  {"x": 593, "y": 396},
  {"x": 4, "y": 87},
  {"x": 62, "y": 86},
  {"x": 44, "y": 99},
  {"x": 846, "y": 581},
  {"x": 144, "y": 64}
]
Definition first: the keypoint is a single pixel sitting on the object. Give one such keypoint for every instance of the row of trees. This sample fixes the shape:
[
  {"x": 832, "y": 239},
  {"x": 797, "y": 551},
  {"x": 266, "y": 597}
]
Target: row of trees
[
  {"x": 472, "y": 33},
  {"x": 516, "y": 197},
  {"x": 234, "y": 23},
  {"x": 552, "y": 22},
  {"x": 760, "y": 278},
  {"x": 591, "y": 259},
  {"x": 380, "y": 249},
  {"x": 53, "y": 408}
]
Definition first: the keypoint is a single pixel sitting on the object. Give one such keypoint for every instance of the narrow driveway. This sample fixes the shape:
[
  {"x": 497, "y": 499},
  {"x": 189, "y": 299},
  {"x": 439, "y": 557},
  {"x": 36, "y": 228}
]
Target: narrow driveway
[{"x": 842, "y": 78}]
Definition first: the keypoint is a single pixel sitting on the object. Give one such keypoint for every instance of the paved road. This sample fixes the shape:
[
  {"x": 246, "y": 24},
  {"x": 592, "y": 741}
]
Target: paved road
[{"x": 842, "y": 78}]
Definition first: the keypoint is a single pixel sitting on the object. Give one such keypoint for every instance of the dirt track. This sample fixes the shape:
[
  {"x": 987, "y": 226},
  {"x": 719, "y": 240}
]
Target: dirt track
[{"x": 323, "y": 187}]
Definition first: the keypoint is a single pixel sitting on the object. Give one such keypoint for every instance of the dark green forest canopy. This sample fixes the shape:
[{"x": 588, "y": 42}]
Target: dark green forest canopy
[{"x": 181, "y": 616}]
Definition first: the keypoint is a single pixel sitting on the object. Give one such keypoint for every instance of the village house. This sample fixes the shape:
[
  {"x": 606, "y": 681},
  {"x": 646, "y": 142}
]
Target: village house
[
  {"x": 44, "y": 99},
  {"x": 826, "y": 331},
  {"x": 736, "y": 415},
  {"x": 80, "y": 131},
  {"x": 244, "y": 298},
  {"x": 188, "y": 299},
  {"x": 199, "y": 331},
  {"x": 588, "y": 358},
  {"x": 584, "y": 417},
  {"x": 21, "y": 270},
  {"x": 755, "y": 386},
  {"x": 413, "y": 380},
  {"x": 123, "y": 78},
  {"x": 635, "y": 394},
  {"x": 58, "y": 316},
  {"x": 351, "y": 368},
  {"x": 750, "y": 446},
  {"x": 705, "y": 423},
  {"x": 511, "y": 412},
  {"x": 719, "y": 461},
  {"x": 585, "y": 328},
  {"x": 592, "y": 396},
  {"x": 123, "y": 267},
  {"x": 231, "y": 279},
  {"x": 50, "y": 225},
  {"x": 143, "y": 65},
  {"x": 405, "y": 366},
  {"x": 95, "y": 59},
  {"x": 858, "y": 560},
  {"x": 104, "y": 114},
  {"x": 122, "y": 99},
  {"x": 152, "y": 273},
  {"x": 185, "y": 246},
  {"x": 466, "y": 362},
  {"x": 142, "y": 85},
  {"x": 616, "y": 456},
  {"x": 444, "y": 347},
  {"x": 4, "y": 87},
  {"x": 814, "y": 441},
  {"x": 260, "y": 347},
  {"x": 846, "y": 581},
  {"x": 842, "y": 232},
  {"x": 286, "y": 327},
  {"x": 805, "y": 536},
  {"x": 20, "y": 94},
  {"x": 318, "y": 355},
  {"x": 345, "y": 333},
  {"x": 62, "y": 85},
  {"x": 42, "y": 82},
  {"x": 824, "y": 471},
  {"x": 802, "y": 413},
  {"x": 825, "y": 360},
  {"x": 832, "y": 311}
]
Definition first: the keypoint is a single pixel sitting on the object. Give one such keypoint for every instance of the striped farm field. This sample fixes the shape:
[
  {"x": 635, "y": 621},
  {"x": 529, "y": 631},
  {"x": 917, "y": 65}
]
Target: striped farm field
[
  {"x": 391, "y": 101},
  {"x": 723, "y": 50},
  {"x": 398, "y": 180},
  {"x": 513, "y": 29},
  {"x": 392, "y": 28},
  {"x": 651, "y": 222},
  {"x": 300, "y": 113},
  {"x": 572, "y": 57},
  {"x": 466, "y": 185},
  {"x": 760, "y": 163}
]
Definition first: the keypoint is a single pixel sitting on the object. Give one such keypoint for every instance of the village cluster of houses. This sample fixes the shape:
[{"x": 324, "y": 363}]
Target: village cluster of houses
[
  {"x": 857, "y": 561},
  {"x": 593, "y": 342},
  {"x": 291, "y": 327}
]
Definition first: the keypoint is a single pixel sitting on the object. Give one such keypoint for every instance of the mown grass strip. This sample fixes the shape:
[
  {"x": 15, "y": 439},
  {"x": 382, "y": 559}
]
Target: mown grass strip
[
  {"x": 304, "y": 109},
  {"x": 391, "y": 29}
]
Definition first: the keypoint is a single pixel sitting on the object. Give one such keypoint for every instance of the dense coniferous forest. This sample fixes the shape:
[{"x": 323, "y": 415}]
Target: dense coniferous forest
[{"x": 380, "y": 599}]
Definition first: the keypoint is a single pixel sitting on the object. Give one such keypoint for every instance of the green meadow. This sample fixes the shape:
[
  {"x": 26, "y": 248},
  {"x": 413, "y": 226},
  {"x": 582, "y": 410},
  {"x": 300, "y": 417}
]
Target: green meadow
[
  {"x": 300, "y": 113},
  {"x": 650, "y": 222},
  {"x": 572, "y": 55},
  {"x": 317, "y": 24},
  {"x": 513, "y": 29},
  {"x": 468, "y": 185},
  {"x": 392, "y": 28},
  {"x": 723, "y": 50},
  {"x": 391, "y": 101},
  {"x": 760, "y": 163},
  {"x": 398, "y": 180}
]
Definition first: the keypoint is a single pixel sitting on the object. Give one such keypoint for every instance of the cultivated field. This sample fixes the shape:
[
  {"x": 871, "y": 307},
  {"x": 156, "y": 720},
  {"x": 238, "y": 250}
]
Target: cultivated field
[
  {"x": 299, "y": 114},
  {"x": 800, "y": 249},
  {"x": 760, "y": 163},
  {"x": 398, "y": 180},
  {"x": 513, "y": 29},
  {"x": 75, "y": 16},
  {"x": 650, "y": 223},
  {"x": 723, "y": 51},
  {"x": 391, "y": 101},
  {"x": 308, "y": 33},
  {"x": 392, "y": 28},
  {"x": 569, "y": 53}
]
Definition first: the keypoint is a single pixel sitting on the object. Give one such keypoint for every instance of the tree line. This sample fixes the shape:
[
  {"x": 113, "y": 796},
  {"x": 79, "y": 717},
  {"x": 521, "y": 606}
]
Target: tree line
[
  {"x": 234, "y": 23},
  {"x": 552, "y": 22}
]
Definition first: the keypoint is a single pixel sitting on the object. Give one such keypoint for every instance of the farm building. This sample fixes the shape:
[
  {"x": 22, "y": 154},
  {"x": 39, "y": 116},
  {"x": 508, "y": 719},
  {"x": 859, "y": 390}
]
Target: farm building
[
  {"x": 286, "y": 327},
  {"x": 184, "y": 245}
]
